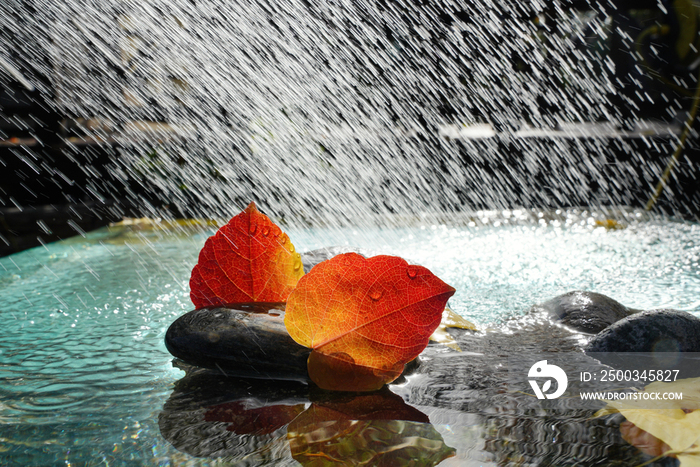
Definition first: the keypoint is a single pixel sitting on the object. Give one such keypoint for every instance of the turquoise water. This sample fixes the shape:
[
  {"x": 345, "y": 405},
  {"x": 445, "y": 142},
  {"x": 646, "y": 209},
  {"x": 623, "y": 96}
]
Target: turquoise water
[{"x": 84, "y": 373}]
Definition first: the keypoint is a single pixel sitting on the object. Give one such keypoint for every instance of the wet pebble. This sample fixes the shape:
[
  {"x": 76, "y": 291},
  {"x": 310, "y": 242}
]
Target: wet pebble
[
  {"x": 583, "y": 311},
  {"x": 650, "y": 331},
  {"x": 247, "y": 340}
]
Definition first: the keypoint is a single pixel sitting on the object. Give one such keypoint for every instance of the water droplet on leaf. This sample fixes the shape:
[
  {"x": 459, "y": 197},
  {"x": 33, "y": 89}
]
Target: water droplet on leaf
[
  {"x": 411, "y": 271},
  {"x": 253, "y": 228},
  {"x": 375, "y": 294}
]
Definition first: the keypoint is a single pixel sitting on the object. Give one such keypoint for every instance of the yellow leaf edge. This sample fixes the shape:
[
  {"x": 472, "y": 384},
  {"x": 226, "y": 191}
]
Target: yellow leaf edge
[
  {"x": 450, "y": 319},
  {"x": 673, "y": 426}
]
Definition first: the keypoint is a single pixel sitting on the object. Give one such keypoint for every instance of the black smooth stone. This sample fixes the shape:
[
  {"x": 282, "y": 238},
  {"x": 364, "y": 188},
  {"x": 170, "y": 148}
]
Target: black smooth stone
[
  {"x": 246, "y": 340},
  {"x": 650, "y": 331},
  {"x": 588, "y": 312},
  {"x": 311, "y": 258}
]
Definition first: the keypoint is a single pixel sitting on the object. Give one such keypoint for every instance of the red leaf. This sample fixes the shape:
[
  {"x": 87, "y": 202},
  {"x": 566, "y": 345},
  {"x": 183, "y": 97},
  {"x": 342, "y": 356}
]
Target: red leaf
[
  {"x": 248, "y": 260},
  {"x": 377, "y": 313}
]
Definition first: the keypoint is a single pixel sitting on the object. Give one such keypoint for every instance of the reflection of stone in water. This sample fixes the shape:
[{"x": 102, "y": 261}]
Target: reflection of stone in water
[
  {"x": 515, "y": 428},
  {"x": 554, "y": 438},
  {"x": 253, "y": 421},
  {"x": 210, "y": 415}
]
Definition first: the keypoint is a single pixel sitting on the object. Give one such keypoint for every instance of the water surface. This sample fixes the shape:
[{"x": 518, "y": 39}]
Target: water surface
[{"x": 84, "y": 373}]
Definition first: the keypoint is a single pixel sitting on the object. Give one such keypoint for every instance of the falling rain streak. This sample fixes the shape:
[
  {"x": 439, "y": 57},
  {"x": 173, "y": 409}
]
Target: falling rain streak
[
  {"x": 335, "y": 112},
  {"x": 328, "y": 111}
]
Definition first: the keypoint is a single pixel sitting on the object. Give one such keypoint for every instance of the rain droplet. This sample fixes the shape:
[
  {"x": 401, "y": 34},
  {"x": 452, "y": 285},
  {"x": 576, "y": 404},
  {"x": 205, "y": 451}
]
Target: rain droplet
[
  {"x": 253, "y": 229},
  {"x": 266, "y": 231},
  {"x": 297, "y": 264},
  {"x": 411, "y": 272},
  {"x": 375, "y": 294}
]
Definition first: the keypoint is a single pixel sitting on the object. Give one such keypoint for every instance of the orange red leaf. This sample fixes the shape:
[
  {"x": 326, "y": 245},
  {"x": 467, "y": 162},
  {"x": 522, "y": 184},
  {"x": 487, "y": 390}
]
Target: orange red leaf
[
  {"x": 377, "y": 313},
  {"x": 248, "y": 260}
]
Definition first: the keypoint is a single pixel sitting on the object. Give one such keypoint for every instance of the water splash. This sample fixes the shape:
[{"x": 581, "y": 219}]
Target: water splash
[{"x": 325, "y": 112}]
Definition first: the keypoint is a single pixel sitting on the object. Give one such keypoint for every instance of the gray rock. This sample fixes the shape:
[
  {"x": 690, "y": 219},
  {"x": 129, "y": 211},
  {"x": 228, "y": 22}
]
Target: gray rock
[
  {"x": 588, "y": 312},
  {"x": 248, "y": 340},
  {"x": 650, "y": 331},
  {"x": 311, "y": 258}
]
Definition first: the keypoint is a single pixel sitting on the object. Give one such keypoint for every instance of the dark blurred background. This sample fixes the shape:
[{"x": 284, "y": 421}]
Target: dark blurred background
[{"x": 73, "y": 161}]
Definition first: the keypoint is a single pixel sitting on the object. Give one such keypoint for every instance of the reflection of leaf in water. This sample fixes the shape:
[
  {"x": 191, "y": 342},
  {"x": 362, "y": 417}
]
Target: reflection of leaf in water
[
  {"x": 369, "y": 443},
  {"x": 677, "y": 425},
  {"x": 380, "y": 405},
  {"x": 248, "y": 421},
  {"x": 372, "y": 430}
]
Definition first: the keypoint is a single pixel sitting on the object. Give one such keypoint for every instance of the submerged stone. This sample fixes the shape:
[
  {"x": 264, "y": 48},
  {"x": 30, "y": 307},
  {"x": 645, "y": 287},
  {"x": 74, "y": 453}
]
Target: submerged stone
[
  {"x": 588, "y": 312},
  {"x": 247, "y": 340},
  {"x": 650, "y": 331}
]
